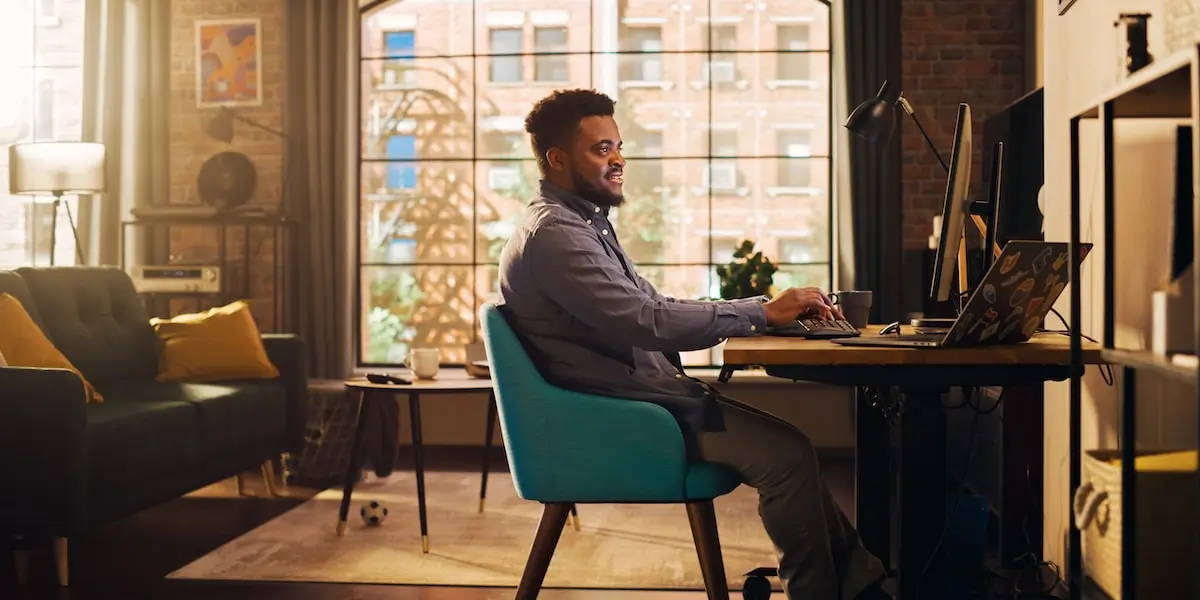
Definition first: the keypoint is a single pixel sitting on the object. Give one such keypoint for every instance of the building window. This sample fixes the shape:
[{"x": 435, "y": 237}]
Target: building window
[
  {"x": 43, "y": 127},
  {"x": 795, "y": 64},
  {"x": 647, "y": 66},
  {"x": 795, "y": 143},
  {"x": 506, "y": 69},
  {"x": 725, "y": 142},
  {"x": 551, "y": 67},
  {"x": 402, "y": 172},
  {"x": 400, "y": 48},
  {"x": 448, "y": 171}
]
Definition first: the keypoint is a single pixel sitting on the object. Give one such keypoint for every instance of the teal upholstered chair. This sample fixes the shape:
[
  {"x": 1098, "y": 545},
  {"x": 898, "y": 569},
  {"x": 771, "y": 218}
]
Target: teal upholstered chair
[{"x": 566, "y": 447}]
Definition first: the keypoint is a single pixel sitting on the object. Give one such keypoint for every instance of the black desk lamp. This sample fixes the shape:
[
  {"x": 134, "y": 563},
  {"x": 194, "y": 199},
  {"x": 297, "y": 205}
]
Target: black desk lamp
[{"x": 875, "y": 121}]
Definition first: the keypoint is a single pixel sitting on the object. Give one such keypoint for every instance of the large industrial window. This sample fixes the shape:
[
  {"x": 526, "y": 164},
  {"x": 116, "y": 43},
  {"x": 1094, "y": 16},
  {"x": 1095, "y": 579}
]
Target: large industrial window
[
  {"x": 41, "y": 63},
  {"x": 724, "y": 107}
]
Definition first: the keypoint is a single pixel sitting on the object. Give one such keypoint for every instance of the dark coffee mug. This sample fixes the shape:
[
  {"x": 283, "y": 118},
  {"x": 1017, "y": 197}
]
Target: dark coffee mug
[{"x": 854, "y": 304}]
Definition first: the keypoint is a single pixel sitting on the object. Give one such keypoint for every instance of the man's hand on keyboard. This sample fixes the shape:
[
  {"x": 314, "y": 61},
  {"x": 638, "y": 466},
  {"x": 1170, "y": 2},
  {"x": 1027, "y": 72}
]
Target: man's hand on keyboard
[{"x": 794, "y": 302}]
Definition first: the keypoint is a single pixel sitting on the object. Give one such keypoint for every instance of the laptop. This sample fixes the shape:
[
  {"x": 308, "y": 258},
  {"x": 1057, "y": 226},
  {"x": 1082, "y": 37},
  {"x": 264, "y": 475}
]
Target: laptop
[{"x": 1007, "y": 306}]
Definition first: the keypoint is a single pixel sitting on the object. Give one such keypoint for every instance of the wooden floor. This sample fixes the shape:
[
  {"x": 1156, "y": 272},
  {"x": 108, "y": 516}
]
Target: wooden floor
[{"x": 129, "y": 559}]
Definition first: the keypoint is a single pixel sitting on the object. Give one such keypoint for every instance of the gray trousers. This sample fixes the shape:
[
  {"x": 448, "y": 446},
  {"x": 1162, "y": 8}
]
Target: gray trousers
[{"x": 820, "y": 554}]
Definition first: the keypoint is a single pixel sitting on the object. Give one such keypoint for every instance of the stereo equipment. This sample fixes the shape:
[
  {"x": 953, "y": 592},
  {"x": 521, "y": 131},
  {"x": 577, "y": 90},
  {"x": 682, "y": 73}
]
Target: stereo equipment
[{"x": 167, "y": 279}]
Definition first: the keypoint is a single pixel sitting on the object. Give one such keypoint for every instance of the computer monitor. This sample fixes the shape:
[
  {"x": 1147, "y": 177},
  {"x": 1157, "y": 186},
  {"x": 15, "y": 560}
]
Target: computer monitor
[{"x": 954, "y": 208}]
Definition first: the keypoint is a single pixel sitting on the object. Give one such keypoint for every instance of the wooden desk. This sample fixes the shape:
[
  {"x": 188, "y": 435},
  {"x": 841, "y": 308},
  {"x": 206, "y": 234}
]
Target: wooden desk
[
  {"x": 920, "y": 376},
  {"x": 1046, "y": 349}
]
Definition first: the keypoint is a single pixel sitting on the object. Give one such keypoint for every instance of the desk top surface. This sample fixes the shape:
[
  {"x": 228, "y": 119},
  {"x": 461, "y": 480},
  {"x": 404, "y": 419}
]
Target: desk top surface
[{"x": 1043, "y": 349}]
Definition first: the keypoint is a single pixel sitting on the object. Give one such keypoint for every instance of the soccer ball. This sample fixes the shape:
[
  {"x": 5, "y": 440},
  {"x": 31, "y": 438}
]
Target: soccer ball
[{"x": 373, "y": 513}]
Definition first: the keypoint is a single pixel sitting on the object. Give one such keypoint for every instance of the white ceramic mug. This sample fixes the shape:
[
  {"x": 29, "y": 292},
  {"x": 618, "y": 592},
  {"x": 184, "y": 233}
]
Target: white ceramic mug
[{"x": 423, "y": 362}]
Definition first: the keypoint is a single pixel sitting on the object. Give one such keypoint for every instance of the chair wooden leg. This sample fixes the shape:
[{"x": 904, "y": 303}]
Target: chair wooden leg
[
  {"x": 60, "y": 560},
  {"x": 703, "y": 519},
  {"x": 267, "y": 468},
  {"x": 21, "y": 565},
  {"x": 554, "y": 516}
]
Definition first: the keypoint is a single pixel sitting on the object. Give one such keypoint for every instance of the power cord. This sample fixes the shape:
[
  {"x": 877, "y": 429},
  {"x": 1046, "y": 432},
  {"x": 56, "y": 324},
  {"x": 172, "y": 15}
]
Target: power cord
[{"x": 1106, "y": 372}]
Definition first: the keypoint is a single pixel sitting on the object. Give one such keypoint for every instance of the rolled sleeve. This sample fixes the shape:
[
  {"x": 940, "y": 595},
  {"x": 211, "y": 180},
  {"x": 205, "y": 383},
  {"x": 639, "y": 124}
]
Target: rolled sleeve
[{"x": 576, "y": 273}]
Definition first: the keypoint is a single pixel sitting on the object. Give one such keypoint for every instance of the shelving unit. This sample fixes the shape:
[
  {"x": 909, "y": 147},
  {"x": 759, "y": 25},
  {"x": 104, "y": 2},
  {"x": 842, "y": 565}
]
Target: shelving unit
[{"x": 1168, "y": 88}]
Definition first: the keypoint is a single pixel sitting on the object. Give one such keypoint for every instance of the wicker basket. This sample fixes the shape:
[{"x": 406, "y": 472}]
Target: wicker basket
[{"x": 1166, "y": 521}]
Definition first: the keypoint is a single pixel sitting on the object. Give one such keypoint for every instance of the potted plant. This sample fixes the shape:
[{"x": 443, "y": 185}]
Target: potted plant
[{"x": 749, "y": 274}]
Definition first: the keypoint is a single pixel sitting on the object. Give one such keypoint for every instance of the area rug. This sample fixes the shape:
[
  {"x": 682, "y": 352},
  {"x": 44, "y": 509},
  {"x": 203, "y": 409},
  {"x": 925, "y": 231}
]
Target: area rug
[{"x": 638, "y": 546}]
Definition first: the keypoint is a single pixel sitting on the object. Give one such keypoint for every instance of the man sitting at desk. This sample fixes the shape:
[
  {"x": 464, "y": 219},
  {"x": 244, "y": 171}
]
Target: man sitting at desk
[{"x": 592, "y": 324}]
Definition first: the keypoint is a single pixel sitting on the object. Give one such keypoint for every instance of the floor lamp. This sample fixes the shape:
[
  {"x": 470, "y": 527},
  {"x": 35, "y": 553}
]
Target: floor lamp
[{"x": 56, "y": 169}]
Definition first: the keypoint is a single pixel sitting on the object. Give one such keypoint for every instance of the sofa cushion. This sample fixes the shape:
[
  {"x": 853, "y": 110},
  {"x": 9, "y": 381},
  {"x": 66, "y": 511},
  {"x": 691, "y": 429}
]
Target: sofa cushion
[
  {"x": 11, "y": 283},
  {"x": 219, "y": 344},
  {"x": 96, "y": 318},
  {"x": 131, "y": 440},
  {"x": 229, "y": 415},
  {"x": 27, "y": 345}
]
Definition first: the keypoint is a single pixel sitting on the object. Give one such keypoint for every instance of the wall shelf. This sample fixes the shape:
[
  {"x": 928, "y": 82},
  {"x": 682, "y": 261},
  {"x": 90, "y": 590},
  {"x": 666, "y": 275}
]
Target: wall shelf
[{"x": 1169, "y": 88}]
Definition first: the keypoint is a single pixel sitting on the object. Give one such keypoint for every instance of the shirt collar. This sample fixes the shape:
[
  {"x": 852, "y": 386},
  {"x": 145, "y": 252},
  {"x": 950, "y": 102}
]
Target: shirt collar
[{"x": 572, "y": 201}]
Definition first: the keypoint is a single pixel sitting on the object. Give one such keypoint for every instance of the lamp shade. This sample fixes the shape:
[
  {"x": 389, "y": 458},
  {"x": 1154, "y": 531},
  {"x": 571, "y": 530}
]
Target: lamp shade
[
  {"x": 875, "y": 119},
  {"x": 58, "y": 168}
]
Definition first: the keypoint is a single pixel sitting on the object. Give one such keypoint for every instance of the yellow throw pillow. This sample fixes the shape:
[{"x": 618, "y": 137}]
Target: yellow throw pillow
[
  {"x": 23, "y": 344},
  {"x": 219, "y": 344}
]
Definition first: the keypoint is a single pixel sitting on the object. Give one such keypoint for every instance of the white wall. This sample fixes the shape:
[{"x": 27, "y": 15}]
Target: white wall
[{"x": 1082, "y": 56}]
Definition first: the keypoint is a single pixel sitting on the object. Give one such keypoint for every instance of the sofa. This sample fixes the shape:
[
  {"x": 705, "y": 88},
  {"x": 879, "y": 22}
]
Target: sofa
[{"x": 69, "y": 466}]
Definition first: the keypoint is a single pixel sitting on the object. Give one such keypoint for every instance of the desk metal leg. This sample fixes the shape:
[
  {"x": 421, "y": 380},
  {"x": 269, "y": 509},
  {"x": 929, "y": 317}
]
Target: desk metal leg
[
  {"x": 922, "y": 494},
  {"x": 414, "y": 408},
  {"x": 872, "y": 475},
  {"x": 487, "y": 446},
  {"x": 354, "y": 465}
]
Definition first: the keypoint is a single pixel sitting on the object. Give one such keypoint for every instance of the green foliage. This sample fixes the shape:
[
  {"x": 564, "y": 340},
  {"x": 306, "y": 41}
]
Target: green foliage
[
  {"x": 394, "y": 299},
  {"x": 749, "y": 274}
]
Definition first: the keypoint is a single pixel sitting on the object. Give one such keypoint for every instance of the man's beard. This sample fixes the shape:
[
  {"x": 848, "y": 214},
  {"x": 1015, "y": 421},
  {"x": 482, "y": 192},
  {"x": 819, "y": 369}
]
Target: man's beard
[{"x": 594, "y": 193}]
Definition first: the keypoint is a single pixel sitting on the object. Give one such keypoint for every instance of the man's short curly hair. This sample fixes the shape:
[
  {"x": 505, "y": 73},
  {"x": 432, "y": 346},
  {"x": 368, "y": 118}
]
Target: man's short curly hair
[{"x": 555, "y": 118}]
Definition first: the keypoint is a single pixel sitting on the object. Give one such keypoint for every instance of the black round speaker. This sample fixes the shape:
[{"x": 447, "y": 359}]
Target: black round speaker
[{"x": 226, "y": 180}]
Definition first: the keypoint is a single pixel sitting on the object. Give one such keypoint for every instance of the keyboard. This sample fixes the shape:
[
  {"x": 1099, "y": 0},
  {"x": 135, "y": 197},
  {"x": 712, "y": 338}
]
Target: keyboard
[{"x": 816, "y": 328}]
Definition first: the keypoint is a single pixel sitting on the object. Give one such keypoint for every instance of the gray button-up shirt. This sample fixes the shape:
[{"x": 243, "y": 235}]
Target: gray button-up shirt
[{"x": 592, "y": 324}]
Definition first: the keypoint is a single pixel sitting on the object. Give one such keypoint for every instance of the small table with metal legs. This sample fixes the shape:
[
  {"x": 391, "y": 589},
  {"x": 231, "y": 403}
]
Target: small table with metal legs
[{"x": 445, "y": 383}]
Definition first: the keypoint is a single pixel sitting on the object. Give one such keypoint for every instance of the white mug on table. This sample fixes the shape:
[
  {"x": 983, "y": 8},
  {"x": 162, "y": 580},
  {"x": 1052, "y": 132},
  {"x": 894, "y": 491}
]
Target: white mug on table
[{"x": 423, "y": 362}]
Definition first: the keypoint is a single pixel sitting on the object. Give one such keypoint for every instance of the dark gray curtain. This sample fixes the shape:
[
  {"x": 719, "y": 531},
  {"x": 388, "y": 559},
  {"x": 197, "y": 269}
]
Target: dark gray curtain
[
  {"x": 873, "y": 55},
  {"x": 322, "y": 50}
]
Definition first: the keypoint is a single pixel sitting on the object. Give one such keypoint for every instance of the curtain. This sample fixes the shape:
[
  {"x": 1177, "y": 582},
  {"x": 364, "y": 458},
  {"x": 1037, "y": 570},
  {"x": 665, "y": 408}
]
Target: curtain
[
  {"x": 126, "y": 83},
  {"x": 843, "y": 207},
  {"x": 321, "y": 120},
  {"x": 872, "y": 55}
]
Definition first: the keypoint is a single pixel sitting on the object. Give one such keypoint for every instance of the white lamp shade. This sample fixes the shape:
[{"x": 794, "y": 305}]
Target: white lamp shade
[{"x": 56, "y": 168}]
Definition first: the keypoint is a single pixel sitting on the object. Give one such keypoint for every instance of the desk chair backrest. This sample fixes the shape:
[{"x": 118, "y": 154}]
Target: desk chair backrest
[
  {"x": 524, "y": 406},
  {"x": 569, "y": 446}
]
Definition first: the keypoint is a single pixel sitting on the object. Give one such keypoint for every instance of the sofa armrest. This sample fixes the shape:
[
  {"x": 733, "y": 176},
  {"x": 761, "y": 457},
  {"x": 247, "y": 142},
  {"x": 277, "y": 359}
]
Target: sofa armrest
[
  {"x": 608, "y": 448},
  {"x": 43, "y": 451},
  {"x": 288, "y": 353}
]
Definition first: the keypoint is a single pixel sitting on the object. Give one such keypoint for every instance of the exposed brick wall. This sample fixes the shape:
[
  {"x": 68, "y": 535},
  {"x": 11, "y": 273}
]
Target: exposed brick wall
[
  {"x": 191, "y": 147},
  {"x": 953, "y": 51}
]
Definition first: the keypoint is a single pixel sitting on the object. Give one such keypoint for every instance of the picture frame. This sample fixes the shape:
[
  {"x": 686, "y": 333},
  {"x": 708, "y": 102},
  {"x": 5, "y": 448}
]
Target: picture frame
[
  {"x": 229, "y": 62},
  {"x": 1065, "y": 5}
]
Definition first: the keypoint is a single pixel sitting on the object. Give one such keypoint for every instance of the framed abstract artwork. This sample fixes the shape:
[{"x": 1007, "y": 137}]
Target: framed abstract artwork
[{"x": 229, "y": 62}]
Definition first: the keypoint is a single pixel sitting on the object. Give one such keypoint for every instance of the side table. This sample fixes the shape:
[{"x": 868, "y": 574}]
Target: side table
[{"x": 445, "y": 383}]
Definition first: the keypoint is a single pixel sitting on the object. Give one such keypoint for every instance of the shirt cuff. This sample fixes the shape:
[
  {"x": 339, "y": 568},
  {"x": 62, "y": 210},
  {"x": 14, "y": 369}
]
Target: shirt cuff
[{"x": 752, "y": 314}]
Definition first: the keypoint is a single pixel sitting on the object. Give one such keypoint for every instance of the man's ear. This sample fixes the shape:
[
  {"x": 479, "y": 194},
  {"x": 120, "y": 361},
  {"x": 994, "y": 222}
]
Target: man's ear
[{"x": 556, "y": 158}]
